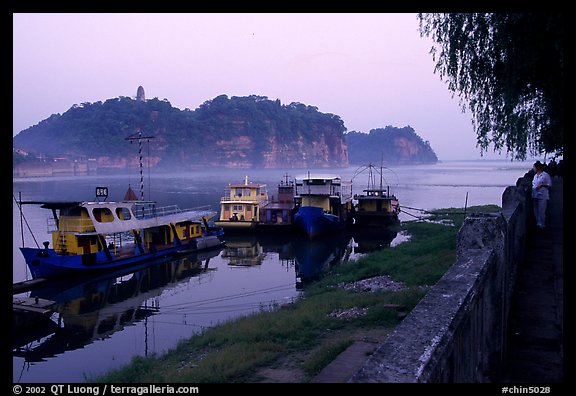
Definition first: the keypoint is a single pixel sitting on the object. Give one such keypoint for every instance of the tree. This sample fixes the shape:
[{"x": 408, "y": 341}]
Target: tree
[{"x": 508, "y": 70}]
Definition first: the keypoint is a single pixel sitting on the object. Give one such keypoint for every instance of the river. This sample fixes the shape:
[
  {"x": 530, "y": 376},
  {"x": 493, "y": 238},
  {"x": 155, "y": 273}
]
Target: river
[{"x": 103, "y": 323}]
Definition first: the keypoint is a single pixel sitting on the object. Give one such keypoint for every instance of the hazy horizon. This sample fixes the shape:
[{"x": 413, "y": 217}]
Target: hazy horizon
[{"x": 372, "y": 70}]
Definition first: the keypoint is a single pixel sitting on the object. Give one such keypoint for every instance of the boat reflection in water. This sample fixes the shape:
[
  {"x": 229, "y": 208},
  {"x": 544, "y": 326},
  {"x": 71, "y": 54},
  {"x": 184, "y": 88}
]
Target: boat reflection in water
[
  {"x": 243, "y": 251},
  {"x": 374, "y": 239},
  {"x": 311, "y": 258},
  {"x": 91, "y": 309},
  {"x": 314, "y": 257}
]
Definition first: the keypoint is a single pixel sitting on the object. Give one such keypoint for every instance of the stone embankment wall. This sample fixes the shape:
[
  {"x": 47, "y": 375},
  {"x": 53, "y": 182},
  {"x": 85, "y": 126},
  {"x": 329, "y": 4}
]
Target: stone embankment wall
[{"x": 457, "y": 333}]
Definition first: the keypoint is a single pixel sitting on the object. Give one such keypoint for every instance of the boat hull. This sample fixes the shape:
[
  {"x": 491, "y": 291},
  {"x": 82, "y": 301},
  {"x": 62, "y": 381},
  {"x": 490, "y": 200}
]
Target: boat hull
[
  {"x": 313, "y": 222},
  {"x": 236, "y": 225},
  {"x": 46, "y": 263},
  {"x": 375, "y": 219}
]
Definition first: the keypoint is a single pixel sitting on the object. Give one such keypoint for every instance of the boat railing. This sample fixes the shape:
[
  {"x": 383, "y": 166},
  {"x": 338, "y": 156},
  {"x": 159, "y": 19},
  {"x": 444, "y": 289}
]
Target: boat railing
[
  {"x": 245, "y": 198},
  {"x": 70, "y": 224},
  {"x": 149, "y": 211},
  {"x": 141, "y": 211}
]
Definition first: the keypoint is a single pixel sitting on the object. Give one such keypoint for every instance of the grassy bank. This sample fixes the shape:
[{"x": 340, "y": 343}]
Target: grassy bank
[{"x": 304, "y": 335}]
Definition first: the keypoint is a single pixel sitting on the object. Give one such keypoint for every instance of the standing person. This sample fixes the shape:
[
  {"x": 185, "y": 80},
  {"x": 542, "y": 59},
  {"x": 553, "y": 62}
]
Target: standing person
[
  {"x": 552, "y": 166},
  {"x": 541, "y": 184}
]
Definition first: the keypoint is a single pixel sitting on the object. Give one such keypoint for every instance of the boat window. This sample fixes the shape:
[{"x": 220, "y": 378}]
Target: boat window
[
  {"x": 226, "y": 208},
  {"x": 316, "y": 182},
  {"x": 238, "y": 192},
  {"x": 123, "y": 213},
  {"x": 248, "y": 208},
  {"x": 246, "y": 192},
  {"x": 103, "y": 215},
  {"x": 237, "y": 207}
]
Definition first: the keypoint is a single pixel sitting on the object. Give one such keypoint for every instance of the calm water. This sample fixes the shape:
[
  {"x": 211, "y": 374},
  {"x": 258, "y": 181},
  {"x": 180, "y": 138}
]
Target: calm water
[{"x": 102, "y": 323}]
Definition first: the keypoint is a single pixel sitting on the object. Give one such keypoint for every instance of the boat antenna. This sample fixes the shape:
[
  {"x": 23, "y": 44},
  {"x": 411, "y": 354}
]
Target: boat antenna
[
  {"x": 138, "y": 136},
  {"x": 381, "y": 166}
]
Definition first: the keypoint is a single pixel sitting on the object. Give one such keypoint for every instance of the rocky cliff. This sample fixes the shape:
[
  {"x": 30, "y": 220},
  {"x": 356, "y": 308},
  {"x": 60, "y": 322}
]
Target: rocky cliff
[
  {"x": 237, "y": 132},
  {"x": 390, "y": 145}
]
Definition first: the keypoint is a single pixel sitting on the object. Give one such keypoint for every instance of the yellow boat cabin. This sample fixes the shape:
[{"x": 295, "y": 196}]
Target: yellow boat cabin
[
  {"x": 240, "y": 207},
  {"x": 91, "y": 227}
]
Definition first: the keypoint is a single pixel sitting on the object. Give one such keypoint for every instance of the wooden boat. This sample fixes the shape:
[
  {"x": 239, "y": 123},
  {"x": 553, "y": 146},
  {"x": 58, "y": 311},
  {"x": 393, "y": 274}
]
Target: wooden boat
[
  {"x": 277, "y": 214},
  {"x": 97, "y": 236},
  {"x": 240, "y": 207},
  {"x": 376, "y": 207},
  {"x": 323, "y": 203}
]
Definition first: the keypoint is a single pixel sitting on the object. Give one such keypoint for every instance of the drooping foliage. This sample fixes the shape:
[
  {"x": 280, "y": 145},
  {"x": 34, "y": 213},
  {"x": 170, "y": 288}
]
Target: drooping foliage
[{"x": 508, "y": 70}]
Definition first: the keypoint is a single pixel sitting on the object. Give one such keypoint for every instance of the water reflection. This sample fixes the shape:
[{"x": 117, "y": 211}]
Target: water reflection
[
  {"x": 310, "y": 258},
  {"x": 373, "y": 239},
  {"x": 92, "y": 309},
  {"x": 243, "y": 251}
]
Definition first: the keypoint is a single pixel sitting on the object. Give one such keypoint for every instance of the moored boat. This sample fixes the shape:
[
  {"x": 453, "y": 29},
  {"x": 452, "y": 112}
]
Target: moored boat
[
  {"x": 324, "y": 204},
  {"x": 277, "y": 214},
  {"x": 95, "y": 236},
  {"x": 240, "y": 207},
  {"x": 94, "y": 307},
  {"x": 376, "y": 207}
]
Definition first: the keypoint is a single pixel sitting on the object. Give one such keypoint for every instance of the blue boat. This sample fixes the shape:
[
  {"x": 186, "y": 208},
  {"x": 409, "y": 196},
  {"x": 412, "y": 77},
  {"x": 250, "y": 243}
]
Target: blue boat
[
  {"x": 324, "y": 203},
  {"x": 91, "y": 237},
  {"x": 93, "y": 307}
]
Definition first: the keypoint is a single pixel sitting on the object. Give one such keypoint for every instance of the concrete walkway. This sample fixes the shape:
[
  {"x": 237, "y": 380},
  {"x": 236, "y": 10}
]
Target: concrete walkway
[
  {"x": 346, "y": 364},
  {"x": 535, "y": 340}
]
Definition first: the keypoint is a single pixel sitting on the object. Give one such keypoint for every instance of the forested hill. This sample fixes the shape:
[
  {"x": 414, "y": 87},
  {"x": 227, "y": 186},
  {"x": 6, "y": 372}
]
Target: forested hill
[
  {"x": 245, "y": 132},
  {"x": 393, "y": 146}
]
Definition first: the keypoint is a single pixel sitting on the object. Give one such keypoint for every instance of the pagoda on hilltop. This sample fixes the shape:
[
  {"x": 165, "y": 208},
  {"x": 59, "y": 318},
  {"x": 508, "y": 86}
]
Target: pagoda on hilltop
[{"x": 140, "y": 96}]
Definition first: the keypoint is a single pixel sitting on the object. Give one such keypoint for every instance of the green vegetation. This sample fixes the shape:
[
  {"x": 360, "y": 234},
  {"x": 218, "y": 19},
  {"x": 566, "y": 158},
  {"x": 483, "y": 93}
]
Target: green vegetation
[
  {"x": 508, "y": 69},
  {"x": 236, "y": 350},
  {"x": 389, "y": 145},
  {"x": 221, "y": 132},
  {"x": 181, "y": 136}
]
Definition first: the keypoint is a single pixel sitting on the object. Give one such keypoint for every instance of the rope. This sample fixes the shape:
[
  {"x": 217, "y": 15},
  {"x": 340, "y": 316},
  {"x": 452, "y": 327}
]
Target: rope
[
  {"x": 432, "y": 213},
  {"x": 418, "y": 209},
  {"x": 26, "y": 221},
  {"x": 410, "y": 214}
]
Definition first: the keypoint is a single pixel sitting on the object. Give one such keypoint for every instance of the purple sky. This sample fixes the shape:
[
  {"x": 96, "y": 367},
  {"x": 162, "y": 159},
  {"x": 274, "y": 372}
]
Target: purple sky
[{"x": 372, "y": 70}]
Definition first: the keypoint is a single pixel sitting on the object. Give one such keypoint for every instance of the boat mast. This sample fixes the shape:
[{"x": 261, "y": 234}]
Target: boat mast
[
  {"x": 381, "y": 165},
  {"x": 138, "y": 136},
  {"x": 21, "y": 217}
]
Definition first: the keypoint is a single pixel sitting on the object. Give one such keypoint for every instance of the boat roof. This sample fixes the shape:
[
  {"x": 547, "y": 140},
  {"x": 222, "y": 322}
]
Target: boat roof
[
  {"x": 391, "y": 196},
  {"x": 58, "y": 205},
  {"x": 69, "y": 204},
  {"x": 249, "y": 185},
  {"x": 149, "y": 219},
  {"x": 318, "y": 176},
  {"x": 155, "y": 218},
  {"x": 379, "y": 197},
  {"x": 378, "y": 190}
]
